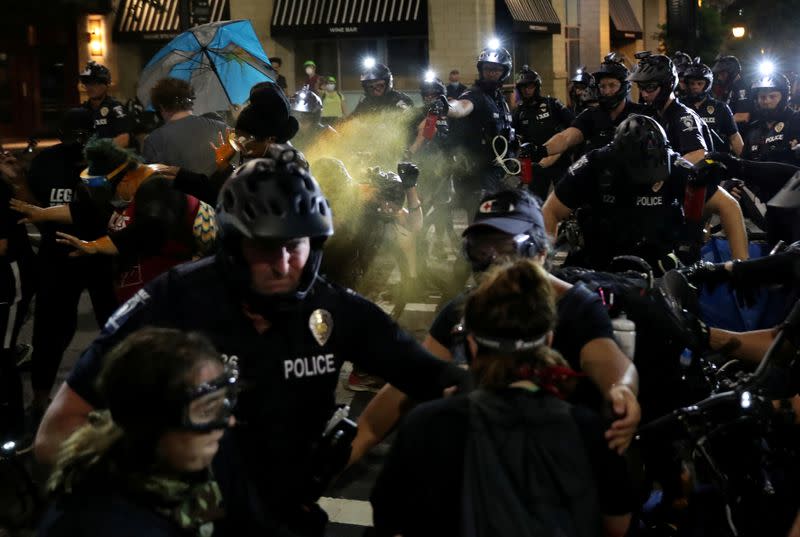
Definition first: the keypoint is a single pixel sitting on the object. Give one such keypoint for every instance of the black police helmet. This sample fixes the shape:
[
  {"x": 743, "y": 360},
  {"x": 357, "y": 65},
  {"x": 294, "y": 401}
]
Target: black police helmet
[
  {"x": 613, "y": 67},
  {"x": 582, "y": 76},
  {"x": 528, "y": 76},
  {"x": 727, "y": 64},
  {"x": 499, "y": 56},
  {"x": 95, "y": 73},
  {"x": 432, "y": 87},
  {"x": 773, "y": 82},
  {"x": 698, "y": 71},
  {"x": 77, "y": 125},
  {"x": 306, "y": 101},
  {"x": 641, "y": 147},
  {"x": 681, "y": 61},
  {"x": 388, "y": 185},
  {"x": 656, "y": 68},
  {"x": 377, "y": 72}
]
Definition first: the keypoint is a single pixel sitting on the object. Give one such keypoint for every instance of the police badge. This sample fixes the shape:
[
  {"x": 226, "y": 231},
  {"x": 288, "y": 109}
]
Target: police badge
[
  {"x": 779, "y": 127},
  {"x": 104, "y": 111},
  {"x": 321, "y": 325},
  {"x": 710, "y": 109}
]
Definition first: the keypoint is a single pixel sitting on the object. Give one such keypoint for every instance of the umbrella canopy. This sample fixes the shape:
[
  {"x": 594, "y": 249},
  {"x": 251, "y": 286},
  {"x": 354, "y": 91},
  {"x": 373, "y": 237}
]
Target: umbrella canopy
[{"x": 221, "y": 60}]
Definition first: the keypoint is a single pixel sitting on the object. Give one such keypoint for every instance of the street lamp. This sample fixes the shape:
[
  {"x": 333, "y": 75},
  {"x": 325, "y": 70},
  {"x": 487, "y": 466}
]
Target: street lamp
[{"x": 738, "y": 32}]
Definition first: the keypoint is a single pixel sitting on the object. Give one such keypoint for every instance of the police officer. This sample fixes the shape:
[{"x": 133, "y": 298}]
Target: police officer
[
  {"x": 110, "y": 118},
  {"x": 261, "y": 303},
  {"x": 775, "y": 129},
  {"x": 595, "y": 126},
  {"x": 536, "y": 120},
  {"x": 681, "y": 61},
  {"x": 379, "y": 92},
  {"x": 484, "y": 128},
  {"x": 657, "y": 78},
  {"x": 307, "y": 109},
  {"x": 699, "y": 80},
  {"x": 730, "y": 88},
  {"x": 635, "y": 190},
  {"x": 53, "y": 179},
  {"x": 582, "y": 91}
]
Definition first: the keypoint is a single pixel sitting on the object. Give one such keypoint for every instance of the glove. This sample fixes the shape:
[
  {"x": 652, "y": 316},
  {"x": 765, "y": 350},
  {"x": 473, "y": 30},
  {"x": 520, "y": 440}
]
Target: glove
[
  {"x": 442, "y": 127},
  {"x": 537, "y": 152},
  {"x": 439, "y": 106},
  {"x": 694, "y": 332},
  {"x": 710, "y": 172},
  {"x": 733, "y": 164},
  {"x": 744, "y": 288},
  {"x": 409, "y": 173},
  {"x": 709, "y": 274}
]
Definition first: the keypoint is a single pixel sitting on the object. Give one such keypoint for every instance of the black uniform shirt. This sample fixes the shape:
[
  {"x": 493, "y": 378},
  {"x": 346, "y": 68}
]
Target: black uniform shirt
[
  {"x": 718, "y": 117},
  {"x": 110, "y": 119},
  {"x": 537, "y": 120},
  {"x": 771, "y": 141},
  {"x": 598, "y": 128},
  {"x": 288, "y": 374},
  {"x": 391, "y": 100},
  {"x": 490, "y": 117},
  {"x": 739, "y": 99},
  {"x": 626, "y": 219},
  {"x": 686, "y": 132}
]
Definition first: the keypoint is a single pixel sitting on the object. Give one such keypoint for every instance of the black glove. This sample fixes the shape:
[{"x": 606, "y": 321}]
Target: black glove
[
  {"x": 537, "y": 152},
  {"x": 695, "y": 333},
  {"x": 439, "y": 106},
  {"x": 744, "y": 288},
  {"x": 710, "y": 274},
  {"x": 442, "y": 127},
  {"x": 409, "y": 173},
  {"x": 710, "y": 172},
  {"x": 734, "y": 165}
]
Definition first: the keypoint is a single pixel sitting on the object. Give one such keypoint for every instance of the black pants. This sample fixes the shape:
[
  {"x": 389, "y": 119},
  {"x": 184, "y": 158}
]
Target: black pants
[
  {"x": 62, "y": 281},
  {"x": 11, "y": 399}
]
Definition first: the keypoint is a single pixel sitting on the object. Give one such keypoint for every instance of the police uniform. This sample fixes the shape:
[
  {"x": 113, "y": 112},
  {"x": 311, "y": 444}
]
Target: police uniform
[
  {"x": 597, "y": 126},
  {"x": 738, "y": 98},
  {"x": 490, "y": 117},
  {"x": 110, "y": 118},
  {"x": 53, "y": 179},
  {"x": 771, "y": 141},
  {"x": 391, "y": 100},
  {"x": 536, "y": 121},
  {"x": 625, "y": 219},
  {"x": 685, "y": 130},
  {"x": 288, "y": 374},
  {"x": 719, "y": 118}
]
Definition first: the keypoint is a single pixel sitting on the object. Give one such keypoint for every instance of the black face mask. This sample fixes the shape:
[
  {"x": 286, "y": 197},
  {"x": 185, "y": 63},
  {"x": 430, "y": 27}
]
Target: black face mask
[{"x": 489, "y": 86}]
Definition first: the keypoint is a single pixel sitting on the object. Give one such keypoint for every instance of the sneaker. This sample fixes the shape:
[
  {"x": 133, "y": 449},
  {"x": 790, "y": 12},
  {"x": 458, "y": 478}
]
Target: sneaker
[
  {"x": 362, "y": 382},
  {"x": 23, "y": 353}
]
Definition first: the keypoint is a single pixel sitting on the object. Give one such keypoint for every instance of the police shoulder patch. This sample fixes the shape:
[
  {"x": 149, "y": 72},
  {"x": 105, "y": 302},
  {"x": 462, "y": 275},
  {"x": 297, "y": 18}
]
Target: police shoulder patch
[
  {"x": 124, "y": 312},
  {"x": 578, "y": 164},
  {"x": 688, "y": 123},
  {"x": 683, "y": 163}
]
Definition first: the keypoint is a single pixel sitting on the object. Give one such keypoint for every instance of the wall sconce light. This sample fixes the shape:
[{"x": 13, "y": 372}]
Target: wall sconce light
[
  {"x": 97, "y": 46},
  {"x": 738, "y": 32}
]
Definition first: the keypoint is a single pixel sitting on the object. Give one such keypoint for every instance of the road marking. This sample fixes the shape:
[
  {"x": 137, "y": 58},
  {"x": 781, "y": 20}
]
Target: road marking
[{"x": 342, "y": 511}]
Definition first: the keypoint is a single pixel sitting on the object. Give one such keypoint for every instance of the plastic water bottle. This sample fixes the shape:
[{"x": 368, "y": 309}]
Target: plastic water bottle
[{"x": 625, "y": 334}]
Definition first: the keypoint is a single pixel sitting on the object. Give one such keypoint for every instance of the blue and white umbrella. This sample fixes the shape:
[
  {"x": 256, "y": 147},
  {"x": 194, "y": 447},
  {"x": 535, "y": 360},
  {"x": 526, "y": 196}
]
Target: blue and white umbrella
[{"x": 222, "y": 61}]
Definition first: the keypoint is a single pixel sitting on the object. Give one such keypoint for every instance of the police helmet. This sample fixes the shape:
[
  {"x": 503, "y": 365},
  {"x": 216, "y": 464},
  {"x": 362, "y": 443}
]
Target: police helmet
[
  {"x": 387, "y": 184},
  {"x": 95, "y": 73},
  {"x": 642, "y": 149},
  {"x": 433, "y": 86},
  {"x": 306, "y": 101},
  {"x": 681, "y": 60},
  {"x": 773, "y": 82},
  {"x": 497, "y": 55},
  {"x": 582, "y": 76},
  {"x": 656, "y": 68},
  {"x": 275, "y": 198},
  {"x": 613, "y": 67},
  {"x": 727, "y": 64},
  {"x": 528, "y": 76},
  {"x": 377, "y": 72},
  {"x": 698, "y": 71}
]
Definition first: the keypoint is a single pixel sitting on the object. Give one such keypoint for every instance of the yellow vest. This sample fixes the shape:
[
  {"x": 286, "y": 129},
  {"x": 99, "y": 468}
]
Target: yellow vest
[{"x": 332, "y": 104}]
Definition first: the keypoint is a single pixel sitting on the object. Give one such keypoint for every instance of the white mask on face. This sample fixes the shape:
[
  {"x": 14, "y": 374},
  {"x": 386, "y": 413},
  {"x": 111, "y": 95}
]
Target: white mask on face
[
  {"x": 330, "y": 87},
  {"x": 309, "y": 71}
]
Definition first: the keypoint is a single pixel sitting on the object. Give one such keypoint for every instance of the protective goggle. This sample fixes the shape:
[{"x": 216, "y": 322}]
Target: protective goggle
[
  {"x": 94, "y": 181},
  {"x": 210, "y": 405},
  {"x": 240, "y": 142},
  {"x": 484, "y": 249},
  {"x": 649, "y": 87}
]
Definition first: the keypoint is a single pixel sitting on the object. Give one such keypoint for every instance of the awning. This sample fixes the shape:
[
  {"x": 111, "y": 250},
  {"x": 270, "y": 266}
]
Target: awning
[
  {"x": 160, "y": 19},
  {"x": 321, "y": 18},
  {"x": 623, "y": 20},
  {"x": 527, "y": 16}
]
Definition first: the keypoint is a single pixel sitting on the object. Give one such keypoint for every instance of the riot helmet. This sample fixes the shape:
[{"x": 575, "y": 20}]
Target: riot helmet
[
  {"x": 95, "y": 73},
  {"x": 306, "y": 105},
  {"x": 273, "y": 199},
  {"x": 497, "y": 55},
  {"x": 430, "y": 86},
  {"x": 582, "y": 76},
  {"x": 774, "y": 82},
  {"x": 681, "y": 60},
  {"x": 642, "y": 150},
  {"x": 697, "y": 71},
  {"x": 612, "y": 67},
  {"x": 726, "y": 70},
  {"x": 375, "y": 73},
  {"x": 655, "y": 71},
  {"x": 526, "y": 77}
]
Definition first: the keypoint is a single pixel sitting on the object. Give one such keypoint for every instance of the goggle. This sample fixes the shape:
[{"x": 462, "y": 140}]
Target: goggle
[
  {"x": 648, "y": 87},
  {"x": 210, "y": 405},
  {"x": 376, "y": 85},
  {"x": 94, "y": 181},
  {"x": 240, "y": 141},
  {"x": 484, "y": 249}
]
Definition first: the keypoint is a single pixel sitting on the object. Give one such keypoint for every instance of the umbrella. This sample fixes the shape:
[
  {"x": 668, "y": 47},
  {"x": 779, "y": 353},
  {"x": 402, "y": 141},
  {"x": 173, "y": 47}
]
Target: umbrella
[{"x": 222, "y": 61}]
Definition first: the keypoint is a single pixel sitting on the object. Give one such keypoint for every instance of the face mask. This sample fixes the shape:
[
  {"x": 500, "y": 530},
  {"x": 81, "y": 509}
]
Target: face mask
[
  {"x": 309, "y": 71},
  {"x": 330, "y": 87}
]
